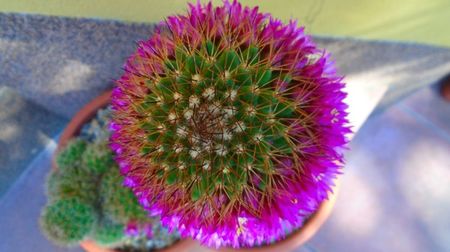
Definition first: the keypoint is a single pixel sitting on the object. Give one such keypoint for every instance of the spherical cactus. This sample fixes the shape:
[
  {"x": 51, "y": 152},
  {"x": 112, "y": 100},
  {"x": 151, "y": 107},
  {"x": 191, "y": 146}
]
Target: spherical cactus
[
  {"x": 229, "y": 124},
  {"x": 119, "y": 203},
  {"x": 67, "y": 221}
]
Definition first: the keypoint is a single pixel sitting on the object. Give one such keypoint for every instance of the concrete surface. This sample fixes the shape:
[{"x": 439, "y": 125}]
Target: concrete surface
[
  {"x": 21, "y": 206},
  {"x": 61, "y": 63},
  {"x": 25, "y": 129},
  {"x": 395, "y": 193},
  {"x": 69, "y": 61}
]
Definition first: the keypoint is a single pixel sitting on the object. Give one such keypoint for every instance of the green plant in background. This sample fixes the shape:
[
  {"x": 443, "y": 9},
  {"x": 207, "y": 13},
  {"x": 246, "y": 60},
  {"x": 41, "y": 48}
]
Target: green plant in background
[
  {"x": 86, "y": 199},
  {"x": 71, "y": 156},
  {"x": 73, "y": 179},
  {"x": 119, "y": 203},
  {"x": 96, "y": 159},
  {"x": 74, "y": 211}
]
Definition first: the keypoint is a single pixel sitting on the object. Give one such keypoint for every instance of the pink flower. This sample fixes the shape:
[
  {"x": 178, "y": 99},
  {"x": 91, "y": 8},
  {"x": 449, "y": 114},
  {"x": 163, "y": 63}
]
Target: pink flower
[{"x": 229, "y": 83}]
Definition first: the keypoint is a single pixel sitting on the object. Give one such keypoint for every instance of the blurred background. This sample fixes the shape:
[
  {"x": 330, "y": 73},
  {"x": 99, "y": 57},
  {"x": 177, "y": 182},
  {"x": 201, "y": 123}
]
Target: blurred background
[
  {"x": 56, "y": 55},
  {"x": 407, "y": 20}
]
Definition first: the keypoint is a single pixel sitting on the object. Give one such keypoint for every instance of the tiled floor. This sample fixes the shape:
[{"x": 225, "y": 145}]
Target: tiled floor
[{"x": 395, "y": 193}]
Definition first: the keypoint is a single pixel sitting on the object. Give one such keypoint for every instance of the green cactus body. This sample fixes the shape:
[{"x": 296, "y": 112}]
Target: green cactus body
[
  {"x": 69, "y": 220},
  {"x": 213, "y": 119},
  {"x": 98, "y": 158},
  {"x": 73, "y": 179},
  {"x": 75, "y": 183},
  {"x": 86, "y": 199},
  {"x": 118, "y": 202},
  {"x": 71, "y": 155}
]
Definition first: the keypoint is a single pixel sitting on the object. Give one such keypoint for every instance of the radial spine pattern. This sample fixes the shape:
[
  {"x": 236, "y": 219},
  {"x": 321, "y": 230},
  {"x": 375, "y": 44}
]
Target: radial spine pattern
[{"x": 229, "y": 124}]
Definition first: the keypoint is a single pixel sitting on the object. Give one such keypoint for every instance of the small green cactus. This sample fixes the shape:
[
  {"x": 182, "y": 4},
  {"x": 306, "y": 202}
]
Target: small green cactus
[
  {"x": 73, "y": 181},
  {"x": 119, "y": 203},
  {"x": 75, "y": 209},
  {"x": 97, "y": 158},
  {"x": 69, "y": 220},
  {"x": 71, "y": 155},
  {"x": 86, "y": 199}
]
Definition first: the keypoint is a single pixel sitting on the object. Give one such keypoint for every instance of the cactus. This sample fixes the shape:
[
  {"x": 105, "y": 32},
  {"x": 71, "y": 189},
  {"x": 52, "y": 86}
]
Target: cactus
[
  {"x": 71, "y": 155},
  {"x": 52, "y": 186},
  {"x": 67, "y": 221},
  {"x": 72, "y": 181},
  {"x": 229, "y": 124},
  {"x": 72, "y": 192},
  {"x": 90, "y": 185},
  {"x": 81, "y": 185},
  {"x": 98, "y": 158},
  {"x": 118, "y": 202}
]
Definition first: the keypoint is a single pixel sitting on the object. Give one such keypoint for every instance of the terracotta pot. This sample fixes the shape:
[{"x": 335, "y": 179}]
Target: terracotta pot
[
  {"x": 290, "y": 243},
  {"x": 445, "y": 88},
  {"x": 73, "y": 129},
  {"x": 179, "y": 246}
]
